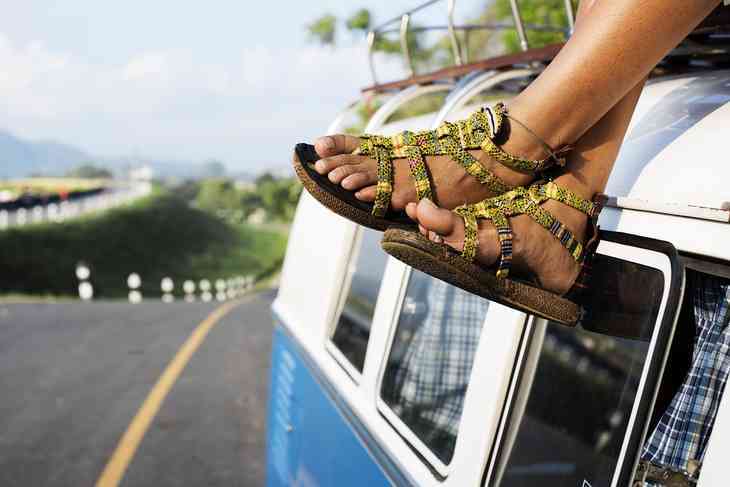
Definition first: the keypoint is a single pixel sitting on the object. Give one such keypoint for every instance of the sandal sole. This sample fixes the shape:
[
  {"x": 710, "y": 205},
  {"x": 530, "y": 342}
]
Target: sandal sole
[
  {"x": 439, "y": 261},
  {"x": 334, "y": 200}
]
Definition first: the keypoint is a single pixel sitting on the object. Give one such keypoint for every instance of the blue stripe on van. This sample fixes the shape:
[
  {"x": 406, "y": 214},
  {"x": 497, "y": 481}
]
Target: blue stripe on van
[{"x": 313, "y": 438}]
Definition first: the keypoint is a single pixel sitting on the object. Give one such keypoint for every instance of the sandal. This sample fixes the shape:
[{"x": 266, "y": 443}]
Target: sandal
[
  {"x": 485, "y": 129},
  {"x": 459, "y": 269}
]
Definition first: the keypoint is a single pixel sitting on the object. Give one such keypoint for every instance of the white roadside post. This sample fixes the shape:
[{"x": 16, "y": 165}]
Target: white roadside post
[
  {"x": 134, "y": 282},
  {"x": 21, "y": 216},
  {"x": 86, "y": 290},
  {"x": 37, "y": 214},
  {"x": 52, "y": 212},
  {"x": 189, "y": 290},
  {"x": 220, "y": 287},
  {"x": 3, "y": 219},
  {"x": 205, "y": 295},
  {"x": 231, "y": 285},
  {"x": 167, "y": 287}
]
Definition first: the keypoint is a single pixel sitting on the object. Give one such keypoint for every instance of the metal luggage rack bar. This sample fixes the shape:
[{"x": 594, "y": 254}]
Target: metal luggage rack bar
[
  {"x": 459, "y": 56},
  {"x": 713, "y": 52}
]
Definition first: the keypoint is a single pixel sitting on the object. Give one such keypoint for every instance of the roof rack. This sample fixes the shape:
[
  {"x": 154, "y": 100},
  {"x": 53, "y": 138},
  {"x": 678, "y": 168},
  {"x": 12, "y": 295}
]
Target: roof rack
[
  {"x": 459, "y": 56},
  {"x": 717, "y": 23}
]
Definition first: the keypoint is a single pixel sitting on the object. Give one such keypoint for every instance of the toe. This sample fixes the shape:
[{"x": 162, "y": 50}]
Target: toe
[
  {"x": 412, "y": 211},
  {"x": 441, "y": 225},
  {"x": 325, "y": 166},
  {"x": 366, "y": 194},
  {"x": 339, "y": 174},
  {"x": 363, "y": 177},
  {"x": 439, "y": 220},
  {"x": 331, "y": 145}
]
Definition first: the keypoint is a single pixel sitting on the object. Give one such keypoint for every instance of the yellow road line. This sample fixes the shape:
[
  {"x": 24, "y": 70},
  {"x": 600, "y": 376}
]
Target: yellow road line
[{"x": 119, "y": 461}]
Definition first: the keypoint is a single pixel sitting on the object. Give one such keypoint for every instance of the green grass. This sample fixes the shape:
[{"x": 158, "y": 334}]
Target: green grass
[{"x": 156, "y": 237}]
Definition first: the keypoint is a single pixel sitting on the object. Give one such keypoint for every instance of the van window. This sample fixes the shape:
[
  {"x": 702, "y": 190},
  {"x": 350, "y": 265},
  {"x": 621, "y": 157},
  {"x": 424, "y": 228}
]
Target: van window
[
  {"x": 352, "y": 331},
  {"x": 430, "y": 361},
  {"x": 576, "y": 391}
]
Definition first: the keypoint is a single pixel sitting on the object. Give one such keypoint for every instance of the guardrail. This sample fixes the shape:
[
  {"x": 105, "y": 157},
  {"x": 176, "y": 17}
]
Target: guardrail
[{"x": 58, "y": 212}]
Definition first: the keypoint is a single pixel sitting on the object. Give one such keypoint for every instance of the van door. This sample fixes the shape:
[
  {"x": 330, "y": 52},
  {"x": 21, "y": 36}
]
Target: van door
[{"x": 581, "y": 398}]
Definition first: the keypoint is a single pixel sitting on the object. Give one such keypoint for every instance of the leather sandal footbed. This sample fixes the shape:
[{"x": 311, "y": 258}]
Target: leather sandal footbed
[
  {"x": 444, "y": 263},
  {"x": 339, "y": 200}
]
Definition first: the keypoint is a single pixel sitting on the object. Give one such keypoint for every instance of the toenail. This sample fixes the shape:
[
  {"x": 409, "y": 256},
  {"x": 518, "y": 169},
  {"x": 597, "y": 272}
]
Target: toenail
[
  {"x": 428, "y": 202},
  {"x": 435, "y": 237}
]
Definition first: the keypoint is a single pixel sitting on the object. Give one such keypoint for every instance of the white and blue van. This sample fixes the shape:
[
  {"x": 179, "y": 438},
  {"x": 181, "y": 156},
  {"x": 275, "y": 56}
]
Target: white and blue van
[{"x": 382, "y": 375}]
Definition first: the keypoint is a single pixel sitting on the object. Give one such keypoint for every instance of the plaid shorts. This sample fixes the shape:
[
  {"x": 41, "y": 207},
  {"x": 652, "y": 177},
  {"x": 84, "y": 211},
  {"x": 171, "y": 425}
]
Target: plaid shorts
[
  {"x": 435, "y": 370},
  {"x": 685, "y": 427}
]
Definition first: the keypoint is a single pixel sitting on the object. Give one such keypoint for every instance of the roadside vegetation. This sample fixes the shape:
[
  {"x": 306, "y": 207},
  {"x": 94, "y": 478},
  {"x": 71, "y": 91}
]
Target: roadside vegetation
[
  {"x": 182, "y": 233},
  {"x": 48, "y": 186},
  {"x": 435, "y": 51}
]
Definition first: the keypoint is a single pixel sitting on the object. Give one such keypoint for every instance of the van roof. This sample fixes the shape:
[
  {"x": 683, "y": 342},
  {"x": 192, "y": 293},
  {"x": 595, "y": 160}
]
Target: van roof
[{"x": 674, "y": 158}]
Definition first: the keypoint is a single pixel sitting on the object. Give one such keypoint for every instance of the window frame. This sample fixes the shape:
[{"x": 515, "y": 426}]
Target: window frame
[
  {"x": 377, "y": 121},
  {"x": 437, "y": 467},
  {"x": 714, "y": 472},
  {"x": 623, "y": 246},
  {"x": 348, "y": 273}
]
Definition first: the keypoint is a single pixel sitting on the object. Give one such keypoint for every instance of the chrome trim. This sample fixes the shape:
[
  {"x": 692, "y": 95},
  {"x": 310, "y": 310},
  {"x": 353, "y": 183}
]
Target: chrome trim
[
  {"x": 405, "y": 49},
  {"x": 519, "y": 25},
  {"x": 476, "y": 85},
  {"x": 571, "y": 16},
  {"x": 371, "y": 61},
  {"x": 452, "y": 34},
  {"x": 400, "y": 99}
]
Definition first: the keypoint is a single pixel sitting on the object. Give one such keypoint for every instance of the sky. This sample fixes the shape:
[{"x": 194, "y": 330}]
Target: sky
[{"x": 183, "y": 80}]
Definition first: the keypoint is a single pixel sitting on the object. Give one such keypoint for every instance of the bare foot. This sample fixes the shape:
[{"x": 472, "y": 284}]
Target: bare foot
[
  {"x": 535, "y": 251},
  {"x": 451, "y": 184}
]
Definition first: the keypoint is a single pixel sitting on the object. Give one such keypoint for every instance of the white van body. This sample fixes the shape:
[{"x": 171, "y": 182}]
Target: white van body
[{"x": 328, "y": 421}]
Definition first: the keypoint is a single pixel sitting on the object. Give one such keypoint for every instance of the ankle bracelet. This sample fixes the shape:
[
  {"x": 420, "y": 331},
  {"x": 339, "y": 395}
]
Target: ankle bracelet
[{"x": 552, "y": 154}]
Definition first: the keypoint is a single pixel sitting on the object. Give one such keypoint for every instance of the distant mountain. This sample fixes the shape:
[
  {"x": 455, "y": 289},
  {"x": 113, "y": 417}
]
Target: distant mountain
[{"x": 20, "y": 157}]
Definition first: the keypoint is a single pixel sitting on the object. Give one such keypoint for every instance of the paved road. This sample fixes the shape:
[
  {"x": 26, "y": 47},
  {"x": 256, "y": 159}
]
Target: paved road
[{"x": 72, "y": 377}]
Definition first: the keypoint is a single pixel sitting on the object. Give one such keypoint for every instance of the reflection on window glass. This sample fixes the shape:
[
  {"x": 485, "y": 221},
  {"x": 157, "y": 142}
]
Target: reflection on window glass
[
  {"x": 431, "y": 359},
  {"x": 353, "y": 329},
  {"x": 570, "y": 414}
]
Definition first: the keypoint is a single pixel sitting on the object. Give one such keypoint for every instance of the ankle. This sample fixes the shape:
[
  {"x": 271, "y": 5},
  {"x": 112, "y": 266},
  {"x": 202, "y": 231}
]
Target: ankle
[{"x": 523, "y": 144}]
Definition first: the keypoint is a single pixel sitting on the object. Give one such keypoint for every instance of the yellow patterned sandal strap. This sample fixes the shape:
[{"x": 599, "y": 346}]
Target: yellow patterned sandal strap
[
  {"x": 419, "y": 173},
  {"x": 455, "y": 139},
  {"x": 470, "y": 231},
  {"x": 473, "y": 167},
  {"x": 519, "y": 164},
  {"x": 371, "y": 144},
  {"x": 384, "y": 187},
  {"x": 504, "y": 234},
  {"x": 556, "y": 192},
  {"x": 409, "y": 145},
  {"x": 538, "y": 194},
  {"x": 470, "y": 214},
  {"x": 558, "y": 230},
  {"x": 496, "y": 115}
]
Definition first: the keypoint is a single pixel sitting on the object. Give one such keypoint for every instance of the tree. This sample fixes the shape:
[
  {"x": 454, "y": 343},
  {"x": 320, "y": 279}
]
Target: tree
[
  {"x": 323, "y": 29},
  {"x": 541, "y": 12},
  {"x": 213, "y": 169},
  {"x": 89, "y": 171},
  {"x": 478, "y": 43},
  {"x": 359, "y": 21}
]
